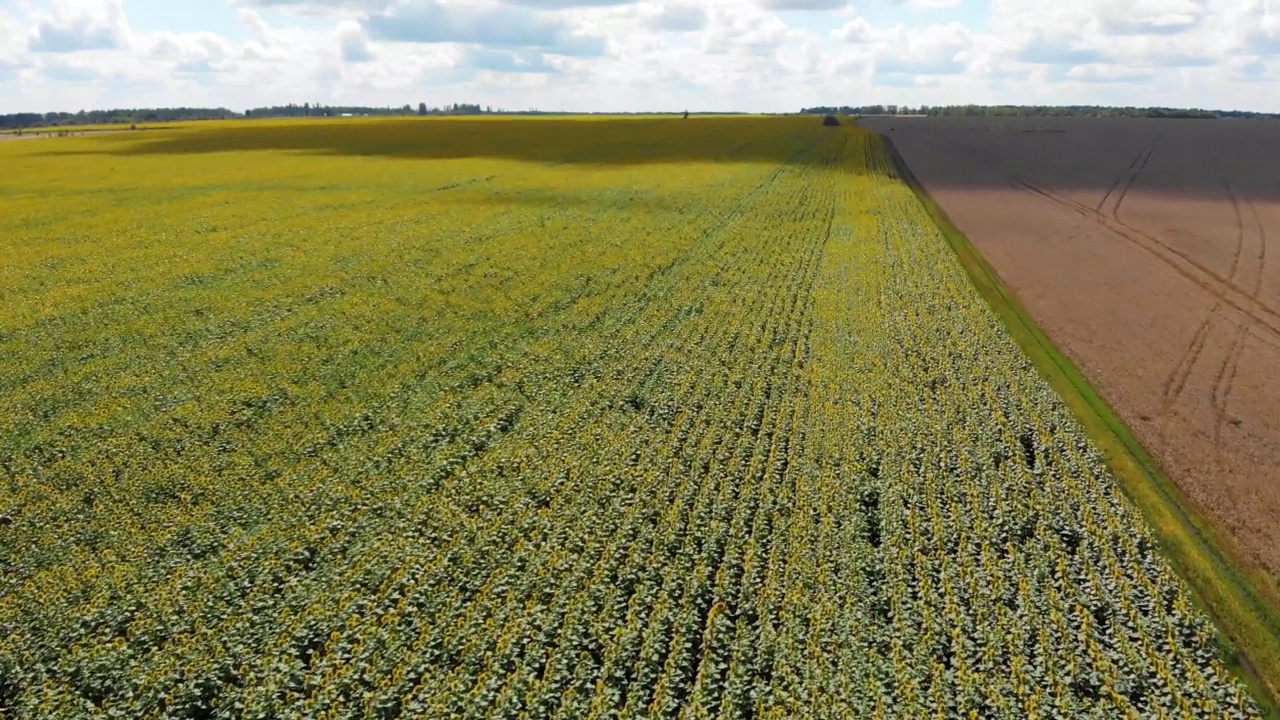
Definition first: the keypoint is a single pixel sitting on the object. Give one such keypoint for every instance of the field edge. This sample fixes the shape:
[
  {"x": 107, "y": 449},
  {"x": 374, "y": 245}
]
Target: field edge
[{"x": 1221, "y": 582}]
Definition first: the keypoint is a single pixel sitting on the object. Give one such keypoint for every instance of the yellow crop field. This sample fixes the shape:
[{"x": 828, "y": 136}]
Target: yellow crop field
[{"x": 503, "y": 418}]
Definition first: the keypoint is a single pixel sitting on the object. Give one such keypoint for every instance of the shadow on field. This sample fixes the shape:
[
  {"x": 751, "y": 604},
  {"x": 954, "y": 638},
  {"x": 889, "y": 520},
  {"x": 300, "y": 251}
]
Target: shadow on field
[
  {"x": 569, "y": 141},
  {"x": 1179, "y": 158},
  {"x": 1106, "y": 157}
]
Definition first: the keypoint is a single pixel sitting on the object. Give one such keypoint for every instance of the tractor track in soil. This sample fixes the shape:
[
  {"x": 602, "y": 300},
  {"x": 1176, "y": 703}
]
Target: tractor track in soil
[
  {"x": 1226, "y": 291},
  {"x": 1116, "y": 184},
  {"x": 1225, "y": 377},
  {"x": 1221, "y": 288},
  {"x": 1224, "y": 380},
  {"x": 1112, "y": 222}
]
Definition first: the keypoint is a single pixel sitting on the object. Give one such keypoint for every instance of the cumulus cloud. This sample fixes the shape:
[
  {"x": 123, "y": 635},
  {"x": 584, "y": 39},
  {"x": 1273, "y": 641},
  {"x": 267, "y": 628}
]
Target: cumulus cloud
[
  {"x": 70, "y": 72},
  {"x": 353, "y": 43},
  {"x": 319, "y": 5},
  {"x": 927, "y": 4},
  {"x": 507, "y": 61},
  {"x": 73, "y": 26},
  {"x": 1258, "y": 24},
  {"x": 1249, "y": 70},
  {"x": 857, "y": 30},
  {"x": 1165, "y": 51},
  {"x": 432, "y": 21},
  {"x": 200, "y": 52},
  {"x": 907, "y": 56},
  {"x": 676, "y": 18},
  {"x": 932, "y": 50},
  {"x": 563, "y": 4},
  {"x": 1138, "y": 17},
  {"x": 744, "y": 31},
  {"x": 1052, "y": 51},
  {"x": 1098, "y": 73},
  {"x": 646, "y": 54},
  {"x": 804, "y": 4},
  {"x": 13, "y": 45}
]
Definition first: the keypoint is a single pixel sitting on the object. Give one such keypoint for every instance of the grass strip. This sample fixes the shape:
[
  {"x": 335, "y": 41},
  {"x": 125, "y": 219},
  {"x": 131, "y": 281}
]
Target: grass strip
[{"x": 1225, "y": 585}]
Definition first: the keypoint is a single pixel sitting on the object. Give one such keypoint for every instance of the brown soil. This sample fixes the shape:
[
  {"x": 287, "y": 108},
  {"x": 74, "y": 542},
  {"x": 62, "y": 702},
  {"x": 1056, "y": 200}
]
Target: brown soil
[{"x": 1148, "y": 251}]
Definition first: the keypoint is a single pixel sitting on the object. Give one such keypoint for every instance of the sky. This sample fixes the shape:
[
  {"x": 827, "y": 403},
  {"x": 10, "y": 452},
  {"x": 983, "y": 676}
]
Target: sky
[{"x": 638, "y": 55}]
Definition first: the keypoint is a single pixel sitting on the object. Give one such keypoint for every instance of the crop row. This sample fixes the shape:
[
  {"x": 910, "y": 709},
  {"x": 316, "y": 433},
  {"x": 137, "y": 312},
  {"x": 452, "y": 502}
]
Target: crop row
[{"x": 728, "y": 439}]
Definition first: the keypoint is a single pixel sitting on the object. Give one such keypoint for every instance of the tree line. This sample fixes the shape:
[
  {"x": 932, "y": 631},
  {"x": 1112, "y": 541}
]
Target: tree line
[
  {"x": 130, "y": 116},
  {"x": 114, "y": 116},
  {"x": 321, "y": 110},
  {"x": 1034, "y": 111}
]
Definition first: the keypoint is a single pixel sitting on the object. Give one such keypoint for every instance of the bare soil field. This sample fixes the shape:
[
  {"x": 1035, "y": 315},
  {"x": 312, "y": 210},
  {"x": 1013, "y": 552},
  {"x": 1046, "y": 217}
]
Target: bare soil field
[{"x": 1147, "y": 249}]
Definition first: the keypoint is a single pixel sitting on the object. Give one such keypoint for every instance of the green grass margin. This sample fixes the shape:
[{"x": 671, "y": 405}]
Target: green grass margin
[{"x": 1225, "y": 585}]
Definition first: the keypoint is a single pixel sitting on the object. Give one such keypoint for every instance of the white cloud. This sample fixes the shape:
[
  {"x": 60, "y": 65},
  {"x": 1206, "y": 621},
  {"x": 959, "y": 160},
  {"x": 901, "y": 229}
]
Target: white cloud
[
  {"x": 857, "y": 30},
  {"x": 928, "y": 4},
  {"x": 75, "y": 25},
  {"x": 191, "y": 52},
  {"x": 675, "y": 17},
  {"x": 745, "y": 30},
  {"x": 644, "y": 54},
  {"x": 314, "y": 6},
  {"x": 434, "y": 21},
  {"x": 907, "y": 56},
  {"x": 563, "y": 4},
  {"x": 506, "y": 61},
  {"x": 932, "y": 50},
  {"x": 1100, "y": 73},
  {"x": 13, "y": 46},
  {"x": 354, "y": 42},
  {"x": 804, "y": 4},
  {"x": 1137, "y": 17}
]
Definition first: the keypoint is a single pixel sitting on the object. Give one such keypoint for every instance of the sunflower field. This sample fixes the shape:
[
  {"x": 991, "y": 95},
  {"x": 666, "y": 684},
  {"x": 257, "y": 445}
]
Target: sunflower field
[{"x": 542, "y": 418}]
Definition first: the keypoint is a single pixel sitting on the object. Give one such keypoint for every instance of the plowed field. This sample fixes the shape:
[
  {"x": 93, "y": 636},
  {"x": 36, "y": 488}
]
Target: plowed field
[{"x": 1147, "y": 250}]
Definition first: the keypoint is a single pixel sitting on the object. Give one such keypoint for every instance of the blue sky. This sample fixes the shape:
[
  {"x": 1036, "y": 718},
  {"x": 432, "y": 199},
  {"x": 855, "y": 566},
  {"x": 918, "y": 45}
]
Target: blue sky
[{"x": 755, "y": 55}]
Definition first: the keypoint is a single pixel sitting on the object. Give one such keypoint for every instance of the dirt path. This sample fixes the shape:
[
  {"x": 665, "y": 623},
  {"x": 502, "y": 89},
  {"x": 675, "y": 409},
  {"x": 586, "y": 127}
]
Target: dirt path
[{"x": 1142, "y": 248}]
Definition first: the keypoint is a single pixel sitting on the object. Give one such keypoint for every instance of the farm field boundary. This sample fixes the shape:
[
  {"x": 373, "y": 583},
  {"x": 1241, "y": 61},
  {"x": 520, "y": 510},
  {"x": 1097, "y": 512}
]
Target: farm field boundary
[{"x": 1222, "y": 584}]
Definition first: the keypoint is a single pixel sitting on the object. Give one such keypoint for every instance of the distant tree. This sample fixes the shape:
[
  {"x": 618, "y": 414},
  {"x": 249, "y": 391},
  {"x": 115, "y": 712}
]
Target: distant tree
[
  {"x": 422, "y": 108},
  {"x": 306, "y": 108},
  {"x": 830, "y": 120}
]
